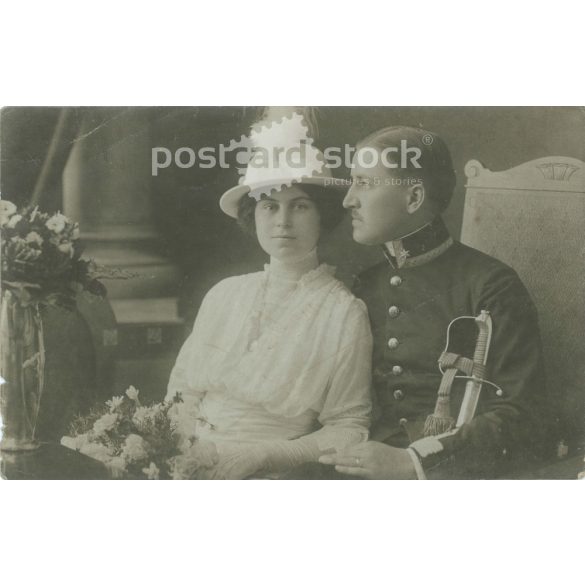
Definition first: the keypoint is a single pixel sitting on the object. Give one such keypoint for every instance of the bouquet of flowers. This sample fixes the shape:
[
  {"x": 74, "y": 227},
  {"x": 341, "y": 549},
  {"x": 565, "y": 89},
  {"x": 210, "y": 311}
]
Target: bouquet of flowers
[
  {"x": 141, "y": 441},
  {"x": 41, "y": 265},
  {"x": 41, "y": 258}
]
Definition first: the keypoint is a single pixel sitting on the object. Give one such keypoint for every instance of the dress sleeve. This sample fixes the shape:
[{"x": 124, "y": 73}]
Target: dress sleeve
[
  {"x": 191, "y": 358},
  {"x": 348, "y": 404},
  {"x": 345, "y": 416}
]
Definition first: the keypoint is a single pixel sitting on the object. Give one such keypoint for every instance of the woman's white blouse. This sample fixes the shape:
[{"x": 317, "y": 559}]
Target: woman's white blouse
[{"x": 256, "y": 379}]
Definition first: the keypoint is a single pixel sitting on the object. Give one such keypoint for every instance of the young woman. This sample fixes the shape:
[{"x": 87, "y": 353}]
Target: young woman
[{"x": 277, "y": 369}]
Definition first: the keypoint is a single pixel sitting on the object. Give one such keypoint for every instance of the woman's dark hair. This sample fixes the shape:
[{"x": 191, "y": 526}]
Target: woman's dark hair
[{"x": 328, "y": 202}]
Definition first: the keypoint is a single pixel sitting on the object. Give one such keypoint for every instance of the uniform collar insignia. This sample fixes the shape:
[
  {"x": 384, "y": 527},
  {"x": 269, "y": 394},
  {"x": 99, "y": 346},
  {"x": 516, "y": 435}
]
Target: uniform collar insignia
[{"x": 419, "y": 247}]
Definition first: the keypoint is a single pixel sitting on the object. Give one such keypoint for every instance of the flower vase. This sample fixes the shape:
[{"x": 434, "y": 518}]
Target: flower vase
[{"x": 22, "y": 362}]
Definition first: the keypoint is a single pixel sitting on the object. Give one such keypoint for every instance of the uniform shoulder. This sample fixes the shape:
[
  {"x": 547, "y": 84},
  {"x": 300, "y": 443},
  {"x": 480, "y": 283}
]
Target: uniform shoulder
[
  {"x": 481, "y": 263},
  {"x": 494, "y": 280}
]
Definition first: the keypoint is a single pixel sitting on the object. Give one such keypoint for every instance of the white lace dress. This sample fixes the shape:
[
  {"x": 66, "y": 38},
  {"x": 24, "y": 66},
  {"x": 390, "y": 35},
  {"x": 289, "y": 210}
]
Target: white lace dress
[{"x": 271, "y": 361}]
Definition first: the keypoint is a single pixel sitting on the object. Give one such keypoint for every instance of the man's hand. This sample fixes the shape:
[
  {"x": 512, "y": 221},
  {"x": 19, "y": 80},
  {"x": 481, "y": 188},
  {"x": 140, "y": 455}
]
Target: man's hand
[{"x": 372, "y": 460}]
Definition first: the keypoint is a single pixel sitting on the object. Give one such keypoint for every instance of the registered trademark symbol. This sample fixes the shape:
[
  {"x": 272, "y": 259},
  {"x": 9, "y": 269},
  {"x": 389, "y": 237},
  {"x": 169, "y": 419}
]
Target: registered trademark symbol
[{"x": 427, "y": 139}]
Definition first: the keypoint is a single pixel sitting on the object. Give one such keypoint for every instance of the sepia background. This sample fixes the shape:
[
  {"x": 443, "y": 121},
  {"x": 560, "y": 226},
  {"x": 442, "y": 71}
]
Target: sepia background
[{"x": 94, "y": 164}]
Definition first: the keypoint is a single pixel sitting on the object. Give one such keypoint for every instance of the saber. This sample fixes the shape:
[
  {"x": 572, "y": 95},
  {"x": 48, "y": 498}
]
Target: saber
[
  {"x": 473, "y": 386},
  {"x": 441, "y": 421}
]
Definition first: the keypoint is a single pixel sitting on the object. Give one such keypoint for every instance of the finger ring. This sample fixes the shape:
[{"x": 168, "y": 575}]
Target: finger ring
[{"x": 358, "y": 462}]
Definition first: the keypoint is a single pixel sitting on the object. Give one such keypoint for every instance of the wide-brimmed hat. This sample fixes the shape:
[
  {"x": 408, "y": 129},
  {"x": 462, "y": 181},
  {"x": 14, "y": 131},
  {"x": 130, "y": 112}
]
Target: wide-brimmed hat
[
  {"x": 231, "y": 198},
  {"x": 270, "y": 170}
]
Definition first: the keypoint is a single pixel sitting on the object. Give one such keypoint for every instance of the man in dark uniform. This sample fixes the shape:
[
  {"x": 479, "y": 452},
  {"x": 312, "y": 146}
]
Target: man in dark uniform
[{"x": 402, "y": 181}]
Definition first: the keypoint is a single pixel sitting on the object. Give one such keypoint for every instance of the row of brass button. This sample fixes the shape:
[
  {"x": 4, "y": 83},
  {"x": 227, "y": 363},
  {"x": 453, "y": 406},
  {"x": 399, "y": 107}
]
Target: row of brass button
[{"x": 393, "y": 343}]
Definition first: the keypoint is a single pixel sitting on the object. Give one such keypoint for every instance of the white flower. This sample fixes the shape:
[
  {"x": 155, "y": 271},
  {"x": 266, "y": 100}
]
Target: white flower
[
  {"x": 34, "y": 238},
  {"x": 143, "y": 415},
  {"x": 75, "y": 233},
  {"x": 97, "y": 451},
  {"x": 7, "y": 208},
  {"x": 66, "y": 248},
  {"x": 105, "y": 423},
  {"x": 134, "y": 448},
  {"x": 115, "y": 402},
  {"x": 132, "y": 393},
  {"x": 152, "y": 471},
  {"x": 56, "y": 223},
  {"x": 14, "y": 220}
]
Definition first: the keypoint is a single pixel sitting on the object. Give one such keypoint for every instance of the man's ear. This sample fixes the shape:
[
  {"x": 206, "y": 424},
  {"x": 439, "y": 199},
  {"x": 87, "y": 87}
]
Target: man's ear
[{"x": 416, "y": 197}]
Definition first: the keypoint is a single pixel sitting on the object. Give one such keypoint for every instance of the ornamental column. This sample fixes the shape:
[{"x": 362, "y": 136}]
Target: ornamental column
[{"x": 107, "y": 189}]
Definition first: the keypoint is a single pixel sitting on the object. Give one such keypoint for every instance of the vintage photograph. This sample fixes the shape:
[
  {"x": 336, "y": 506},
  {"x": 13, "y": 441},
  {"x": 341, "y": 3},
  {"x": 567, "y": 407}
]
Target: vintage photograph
[{"x": 292, "y": 293}]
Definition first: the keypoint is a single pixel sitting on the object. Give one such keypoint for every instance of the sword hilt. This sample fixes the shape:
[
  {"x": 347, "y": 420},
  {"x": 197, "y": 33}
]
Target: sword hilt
[{"x": 480, "y": 355}]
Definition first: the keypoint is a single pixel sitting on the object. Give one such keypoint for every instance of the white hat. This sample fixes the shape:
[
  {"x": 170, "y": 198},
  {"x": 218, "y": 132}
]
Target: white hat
[{"x": 272, "y": 166}]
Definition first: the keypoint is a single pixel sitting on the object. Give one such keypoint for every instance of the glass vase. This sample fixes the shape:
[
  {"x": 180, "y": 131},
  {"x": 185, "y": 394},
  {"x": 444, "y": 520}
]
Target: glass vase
[{"x": 22, "y": 363}]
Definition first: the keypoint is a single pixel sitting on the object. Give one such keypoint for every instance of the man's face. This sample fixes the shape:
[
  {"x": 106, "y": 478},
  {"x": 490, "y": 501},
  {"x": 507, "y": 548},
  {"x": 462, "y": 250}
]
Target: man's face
[{"x": 378, "y": 201}]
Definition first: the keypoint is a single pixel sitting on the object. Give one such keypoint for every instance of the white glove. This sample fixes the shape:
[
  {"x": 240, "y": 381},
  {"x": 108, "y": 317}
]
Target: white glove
[{"x": 235, "y": 462}]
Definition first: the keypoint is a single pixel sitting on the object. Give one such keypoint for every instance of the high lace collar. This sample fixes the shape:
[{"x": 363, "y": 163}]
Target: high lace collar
[{"x": 302, "y": 271}]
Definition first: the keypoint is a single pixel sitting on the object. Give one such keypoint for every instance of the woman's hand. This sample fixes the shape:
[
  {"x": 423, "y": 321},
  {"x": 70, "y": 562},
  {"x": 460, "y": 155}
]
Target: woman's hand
[
  {"x": 373, "y": 460},
  {"x": 236, "y": 462}
]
